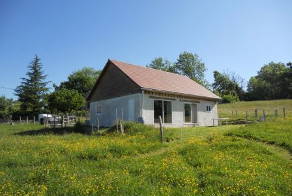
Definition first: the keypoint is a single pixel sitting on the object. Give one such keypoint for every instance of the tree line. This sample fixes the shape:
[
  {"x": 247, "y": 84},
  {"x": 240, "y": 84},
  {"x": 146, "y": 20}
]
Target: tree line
[{"x": 273, "y": 81}]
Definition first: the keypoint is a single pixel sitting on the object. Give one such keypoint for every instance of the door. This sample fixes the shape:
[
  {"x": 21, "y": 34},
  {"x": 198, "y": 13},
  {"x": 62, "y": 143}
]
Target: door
[{"x": 194, "y": 113}]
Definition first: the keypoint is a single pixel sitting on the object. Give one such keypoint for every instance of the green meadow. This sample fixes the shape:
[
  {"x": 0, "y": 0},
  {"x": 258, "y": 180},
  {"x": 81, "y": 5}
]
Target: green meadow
[
  {"x": 239, "y": 110},
  {"x": 226, "y": 160}
]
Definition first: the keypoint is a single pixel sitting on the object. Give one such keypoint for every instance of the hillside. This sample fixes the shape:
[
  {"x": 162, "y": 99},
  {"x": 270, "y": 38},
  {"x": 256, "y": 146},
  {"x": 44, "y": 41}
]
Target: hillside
[
  {"x": 226, "y": 160},
  {"x": 269, "y": 106}
]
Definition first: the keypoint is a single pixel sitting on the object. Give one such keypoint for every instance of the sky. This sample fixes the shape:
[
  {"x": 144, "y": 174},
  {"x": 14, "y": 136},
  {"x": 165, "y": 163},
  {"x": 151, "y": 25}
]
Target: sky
[{"x": 228, "y": 35}]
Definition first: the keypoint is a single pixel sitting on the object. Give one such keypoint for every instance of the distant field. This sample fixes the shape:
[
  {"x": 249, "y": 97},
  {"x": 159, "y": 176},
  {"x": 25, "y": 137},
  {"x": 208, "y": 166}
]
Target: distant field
[
  {"x": 240, "y": 108},
  {"x": 195, "y": 161}
]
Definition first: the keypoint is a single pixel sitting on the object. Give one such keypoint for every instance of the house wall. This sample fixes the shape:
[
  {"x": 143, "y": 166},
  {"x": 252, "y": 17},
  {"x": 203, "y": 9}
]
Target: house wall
[
  {"x": 129, "y": 108},
  {"x": 113, "y": 83},
  {"x": 124, "y": 108},
  {"x": 205, "y": 118}
]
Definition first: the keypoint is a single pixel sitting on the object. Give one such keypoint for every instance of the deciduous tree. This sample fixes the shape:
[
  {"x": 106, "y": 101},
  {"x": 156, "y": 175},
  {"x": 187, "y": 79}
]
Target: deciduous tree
[{"x": 65, "y": 101}]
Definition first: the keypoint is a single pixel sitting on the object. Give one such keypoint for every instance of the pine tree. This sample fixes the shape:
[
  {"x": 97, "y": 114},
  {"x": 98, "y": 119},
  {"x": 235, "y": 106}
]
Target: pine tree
[{"x": 33, "y": 88}]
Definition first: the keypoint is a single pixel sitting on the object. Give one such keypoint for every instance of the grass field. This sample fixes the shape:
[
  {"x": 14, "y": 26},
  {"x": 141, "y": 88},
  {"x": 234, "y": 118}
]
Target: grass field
[
  {"x": 240, "y": 108},
  {"x": 195, "y": 161}
]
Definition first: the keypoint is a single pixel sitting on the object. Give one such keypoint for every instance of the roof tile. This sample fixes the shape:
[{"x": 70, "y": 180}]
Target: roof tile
[{"x": 153, "y": 79}]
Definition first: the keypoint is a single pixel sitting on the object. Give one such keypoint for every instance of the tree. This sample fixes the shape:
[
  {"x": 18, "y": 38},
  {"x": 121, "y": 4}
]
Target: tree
[
  {"x": 65, "y": 101},
  {"x": 32, "y": 90},
  {"x": 161, "y": 64},
  {"x": 190, "y": 65},
  {"x": 6, "y": 107},
  {"x": 269, "y": 83},
  {"x": 82, "y": 80},
  {"x": 228, "y": 84}
]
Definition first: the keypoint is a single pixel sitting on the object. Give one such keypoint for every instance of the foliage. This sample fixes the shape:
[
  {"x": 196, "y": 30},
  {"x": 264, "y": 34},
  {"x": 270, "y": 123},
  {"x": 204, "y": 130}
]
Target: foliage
[
  {"x": 6, "y": 107},
  {"x": 82, "y": 80},
  {"x": 228, "y": 86},
  {"x": 190, "y": 65},
  {"x": 229, "y": 98},
  {"x": 187, "y": 64},
  {"x": 32, "y": 90},
  {"x": 271, "y": 82},
  {"x": 65, "y": 101},
  {"x": 160, "y": 64}
]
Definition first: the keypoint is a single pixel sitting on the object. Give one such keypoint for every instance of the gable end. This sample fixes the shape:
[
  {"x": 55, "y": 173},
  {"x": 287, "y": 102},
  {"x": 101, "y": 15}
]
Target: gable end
[{"x": 112, "y": 83}]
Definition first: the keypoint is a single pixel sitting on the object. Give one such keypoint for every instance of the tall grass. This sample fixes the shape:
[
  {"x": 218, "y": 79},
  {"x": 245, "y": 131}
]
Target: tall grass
[{"x": 205, "y": 162}]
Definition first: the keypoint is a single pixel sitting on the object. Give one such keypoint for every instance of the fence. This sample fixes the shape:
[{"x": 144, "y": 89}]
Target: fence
[
  {"x": 52, "y": 121},
  {"x": 257, "y": 114}
]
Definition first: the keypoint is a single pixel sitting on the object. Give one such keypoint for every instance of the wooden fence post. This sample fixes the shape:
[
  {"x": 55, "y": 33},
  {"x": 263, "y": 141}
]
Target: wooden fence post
[
  {"x": 232, "y": 113},
  {"x": 97, "y": 119},
  {"x": 264, "y": 115},
  {"x": 246, "y": 116},
  {"x": 256, "y": 113},
  {"x": 161, "y": 129},
  {"x": 236, "y": 113},
  {"x": 121, "y": 127},
  {"x": 26, "y": 119},
  {"x": 276, "y": 113},
  {"x": 19, "y": 119},
  {"x": 33, "y": 119},
  {"x": 117, "y": 123},
  {"x": 284, "y": 112}
]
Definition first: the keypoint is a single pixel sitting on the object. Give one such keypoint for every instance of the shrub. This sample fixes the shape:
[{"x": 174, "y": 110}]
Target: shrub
[{"x": 229, "y": 98}]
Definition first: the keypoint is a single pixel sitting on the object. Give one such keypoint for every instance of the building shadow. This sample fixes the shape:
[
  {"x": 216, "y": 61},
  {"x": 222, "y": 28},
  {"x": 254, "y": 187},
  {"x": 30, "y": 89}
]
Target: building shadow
[{"x": 54, "y": 131}]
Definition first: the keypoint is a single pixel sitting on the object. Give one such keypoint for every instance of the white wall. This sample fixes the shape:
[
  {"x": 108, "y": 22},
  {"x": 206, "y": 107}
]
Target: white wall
[
  {"x": 128, "y": 108},
  {"x": 204, "y": 118},
  {"x": 125, "y": 108}
]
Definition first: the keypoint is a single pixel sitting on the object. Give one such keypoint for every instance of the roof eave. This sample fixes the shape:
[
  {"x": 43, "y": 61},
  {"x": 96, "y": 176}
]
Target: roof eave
[{"x": 183, "y": 94}]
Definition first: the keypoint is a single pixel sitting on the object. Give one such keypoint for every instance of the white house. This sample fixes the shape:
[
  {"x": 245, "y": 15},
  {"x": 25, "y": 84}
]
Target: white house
[{"x": 135, "y": 93}]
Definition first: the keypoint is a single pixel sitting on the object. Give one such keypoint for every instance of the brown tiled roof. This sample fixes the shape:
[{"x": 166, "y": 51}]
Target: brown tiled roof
[{"x": 157, "y": 80}]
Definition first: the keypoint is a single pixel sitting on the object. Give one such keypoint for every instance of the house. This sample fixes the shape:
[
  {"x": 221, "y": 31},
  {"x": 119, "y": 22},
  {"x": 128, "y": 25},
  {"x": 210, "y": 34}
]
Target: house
[{"x": 135, "y": 93}]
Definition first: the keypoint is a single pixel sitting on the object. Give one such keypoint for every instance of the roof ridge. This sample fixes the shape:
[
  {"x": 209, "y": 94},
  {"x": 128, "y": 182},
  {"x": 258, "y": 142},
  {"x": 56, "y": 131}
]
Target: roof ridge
[{"x": 141, "y": 66}]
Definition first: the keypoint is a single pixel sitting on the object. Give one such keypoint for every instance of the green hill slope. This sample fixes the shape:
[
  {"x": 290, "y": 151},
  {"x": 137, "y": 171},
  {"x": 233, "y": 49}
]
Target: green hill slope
[{"x": 239, "y": 109}]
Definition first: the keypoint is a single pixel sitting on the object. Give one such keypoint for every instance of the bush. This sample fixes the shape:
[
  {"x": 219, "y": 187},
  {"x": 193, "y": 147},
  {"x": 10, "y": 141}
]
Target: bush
[{"x": 229, "y": 98}]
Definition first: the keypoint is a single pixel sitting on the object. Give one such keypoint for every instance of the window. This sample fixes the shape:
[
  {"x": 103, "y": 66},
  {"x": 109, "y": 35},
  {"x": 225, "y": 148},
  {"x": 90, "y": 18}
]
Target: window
[
  {"x": 208, "y": 108},
  {"x": 163, "y": 109},
  {"x": 157, "y": 110},
  {"x": 190, "y": 113},
  {"x": 167, "y": 113}
]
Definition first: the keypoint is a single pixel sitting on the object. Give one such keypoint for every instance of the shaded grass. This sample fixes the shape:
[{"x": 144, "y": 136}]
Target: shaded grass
[{"x": 203, "y": 162}]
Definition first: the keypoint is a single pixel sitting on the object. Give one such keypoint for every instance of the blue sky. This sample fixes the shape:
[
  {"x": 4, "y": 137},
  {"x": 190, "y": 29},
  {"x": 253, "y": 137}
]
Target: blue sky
[{"x": 228, "y": 35}]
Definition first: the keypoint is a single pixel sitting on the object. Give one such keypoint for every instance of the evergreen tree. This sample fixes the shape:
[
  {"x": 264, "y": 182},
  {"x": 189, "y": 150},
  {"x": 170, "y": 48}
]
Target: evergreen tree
[{"x": 33, "y": 88}]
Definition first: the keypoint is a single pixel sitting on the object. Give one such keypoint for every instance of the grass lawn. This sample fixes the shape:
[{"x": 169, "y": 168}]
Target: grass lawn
[
  {"x": 196, "y": 161},
  {"x": 225, "y": 110},
  {"x": 278, "y": 132}
]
